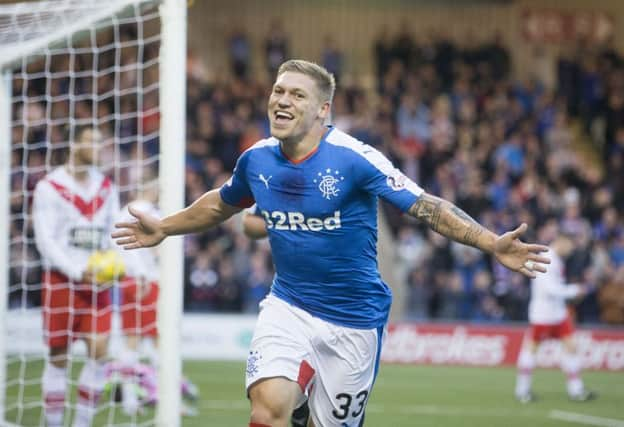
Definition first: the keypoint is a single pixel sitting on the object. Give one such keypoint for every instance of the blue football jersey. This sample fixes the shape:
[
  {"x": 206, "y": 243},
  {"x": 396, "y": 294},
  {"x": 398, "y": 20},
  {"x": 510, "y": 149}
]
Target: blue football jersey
[{"x": 321, "y": 216}]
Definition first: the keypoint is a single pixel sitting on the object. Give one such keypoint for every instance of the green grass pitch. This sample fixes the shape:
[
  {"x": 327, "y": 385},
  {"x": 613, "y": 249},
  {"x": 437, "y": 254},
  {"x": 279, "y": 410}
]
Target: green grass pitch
[{"x": 403, "y": 396}]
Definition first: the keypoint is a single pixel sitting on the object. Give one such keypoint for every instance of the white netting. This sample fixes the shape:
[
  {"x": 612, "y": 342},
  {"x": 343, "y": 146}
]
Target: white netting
[
  {"x": 72, "y": 63},
  {"x": 26, "y": 27}
]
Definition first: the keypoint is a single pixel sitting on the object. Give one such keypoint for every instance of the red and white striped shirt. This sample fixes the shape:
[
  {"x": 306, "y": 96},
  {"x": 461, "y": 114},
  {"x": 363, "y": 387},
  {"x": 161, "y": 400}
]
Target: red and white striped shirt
[{"x": 72, "y": 219}]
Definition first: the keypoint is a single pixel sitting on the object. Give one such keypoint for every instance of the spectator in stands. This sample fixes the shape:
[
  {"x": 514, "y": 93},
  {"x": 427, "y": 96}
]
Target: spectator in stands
[
  {"x": 239, "y": 49},
  {"x": 420, "y": 292},
  {"x": 611, "y": 298},
  {"x": 332, "y": 57},
  {"x": 497, "y": 55},
  {"x": 404, "y": 47},
  {"x": 276, "y": 47},
  {"x": 382, "y": 52}
]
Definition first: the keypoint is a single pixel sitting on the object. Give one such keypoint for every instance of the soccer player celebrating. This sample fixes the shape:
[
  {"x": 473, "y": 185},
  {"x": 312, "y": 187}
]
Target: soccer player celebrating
[
  {"x": 319, "y": 332},
  {"x": 74, "y": 208},
  {"x": 549, "y": 319}
]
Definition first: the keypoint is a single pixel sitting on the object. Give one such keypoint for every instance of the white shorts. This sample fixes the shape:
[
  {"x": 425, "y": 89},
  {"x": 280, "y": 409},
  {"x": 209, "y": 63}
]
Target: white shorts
[{"x": 335, "y": 366}]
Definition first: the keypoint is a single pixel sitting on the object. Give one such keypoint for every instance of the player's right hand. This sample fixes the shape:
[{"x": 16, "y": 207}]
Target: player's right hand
[{"x": 146, "y": 231}]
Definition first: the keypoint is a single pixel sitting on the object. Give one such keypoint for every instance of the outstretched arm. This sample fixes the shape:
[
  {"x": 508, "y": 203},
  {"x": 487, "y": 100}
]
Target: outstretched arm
[
  {"x": 206, "y": 212},
  {"x": 450, "y": 221}
]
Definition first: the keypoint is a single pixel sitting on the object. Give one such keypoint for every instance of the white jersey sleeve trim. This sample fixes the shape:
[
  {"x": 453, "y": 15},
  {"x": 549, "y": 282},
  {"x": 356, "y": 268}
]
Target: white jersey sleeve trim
[
  {"x": 375, "y": 158},
  {"x": 267, "y": 142}
]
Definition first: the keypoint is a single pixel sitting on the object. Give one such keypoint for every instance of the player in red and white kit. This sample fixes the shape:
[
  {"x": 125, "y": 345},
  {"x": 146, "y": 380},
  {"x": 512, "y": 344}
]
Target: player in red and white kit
[
  {"x": 74, "y": 208},
  {"x": 549, "y": 318},
  {"x": 139, "y": 299},
  {"x": 138, "y": 310}
]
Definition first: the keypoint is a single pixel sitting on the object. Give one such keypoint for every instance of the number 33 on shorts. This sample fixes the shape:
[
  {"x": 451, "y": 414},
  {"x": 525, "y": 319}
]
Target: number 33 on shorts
[{"x": 350, "y": 404}]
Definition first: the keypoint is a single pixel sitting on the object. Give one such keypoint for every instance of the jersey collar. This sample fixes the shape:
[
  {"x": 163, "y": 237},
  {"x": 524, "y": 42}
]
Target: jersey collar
[{"x": 330, "y": 128}]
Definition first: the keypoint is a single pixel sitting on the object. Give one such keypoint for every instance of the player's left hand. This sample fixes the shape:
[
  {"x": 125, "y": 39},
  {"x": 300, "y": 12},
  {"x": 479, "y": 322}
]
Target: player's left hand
[{"x": 518, "y": 256}]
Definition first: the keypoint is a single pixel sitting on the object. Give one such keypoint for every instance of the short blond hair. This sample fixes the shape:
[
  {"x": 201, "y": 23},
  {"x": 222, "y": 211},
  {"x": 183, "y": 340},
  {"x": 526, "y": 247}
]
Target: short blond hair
[{"x": 325, "y": 80}]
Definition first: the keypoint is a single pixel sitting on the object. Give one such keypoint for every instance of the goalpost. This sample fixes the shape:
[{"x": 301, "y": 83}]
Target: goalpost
[{"x": 119, "y": 65}]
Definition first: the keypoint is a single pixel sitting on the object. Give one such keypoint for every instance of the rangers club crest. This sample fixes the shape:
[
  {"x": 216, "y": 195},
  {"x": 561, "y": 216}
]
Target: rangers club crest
[
  {"x": 327, "y": 183},
  {"x": 396, "y": 180},
  {"x": 252, "y": 363}
]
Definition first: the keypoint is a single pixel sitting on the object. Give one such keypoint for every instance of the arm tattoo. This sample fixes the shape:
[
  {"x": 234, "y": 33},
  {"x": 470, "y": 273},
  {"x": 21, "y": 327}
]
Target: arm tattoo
[
  {"x": 447, "y": 219},
  {"x": 427, "y": 210},
  {"x": 462, "y": 214},
  {"x": 474, "y": 230}
]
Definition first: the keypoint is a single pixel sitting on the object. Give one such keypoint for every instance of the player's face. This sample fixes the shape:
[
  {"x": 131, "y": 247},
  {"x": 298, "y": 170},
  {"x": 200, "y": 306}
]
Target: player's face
[
  {"x": 295, "y": 106},
  {"x": 87, "y": 147}
]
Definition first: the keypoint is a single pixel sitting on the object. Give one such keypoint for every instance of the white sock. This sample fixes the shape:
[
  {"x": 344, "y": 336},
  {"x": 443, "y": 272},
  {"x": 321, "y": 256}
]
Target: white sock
[
  {"x": 151, "y": 351},
  {"x": 54, "y": 386},
  {"x": 129, "y": 357},
  {"x": 526, "y": 364},
  {"x": 90, "y": 385},
  {"x": 571, "y": 367},
  {"x": 130, "y": 401}
]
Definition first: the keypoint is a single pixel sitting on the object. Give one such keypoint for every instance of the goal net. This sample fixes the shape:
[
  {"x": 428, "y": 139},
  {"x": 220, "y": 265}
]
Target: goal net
[{"x": 104, "y": 66}]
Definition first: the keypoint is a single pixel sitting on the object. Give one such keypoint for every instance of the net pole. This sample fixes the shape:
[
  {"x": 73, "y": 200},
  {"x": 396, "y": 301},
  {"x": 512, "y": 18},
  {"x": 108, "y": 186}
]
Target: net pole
[
  {"x": 5, "y": 193},
  {"x": 171, "y": 180}
]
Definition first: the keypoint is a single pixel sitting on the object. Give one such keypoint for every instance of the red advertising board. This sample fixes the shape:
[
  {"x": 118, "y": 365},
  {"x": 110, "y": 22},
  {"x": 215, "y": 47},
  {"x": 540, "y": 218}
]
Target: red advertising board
[{"x": 481, "y": 345}]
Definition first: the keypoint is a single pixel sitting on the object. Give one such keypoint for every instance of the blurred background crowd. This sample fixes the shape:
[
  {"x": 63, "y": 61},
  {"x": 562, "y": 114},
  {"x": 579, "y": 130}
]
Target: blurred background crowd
[{"x": 545, "y": 148}]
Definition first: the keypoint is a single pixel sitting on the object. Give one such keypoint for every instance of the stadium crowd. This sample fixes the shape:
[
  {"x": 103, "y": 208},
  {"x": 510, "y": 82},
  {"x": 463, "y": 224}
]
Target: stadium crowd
[{"x": 454, "y": 117}]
